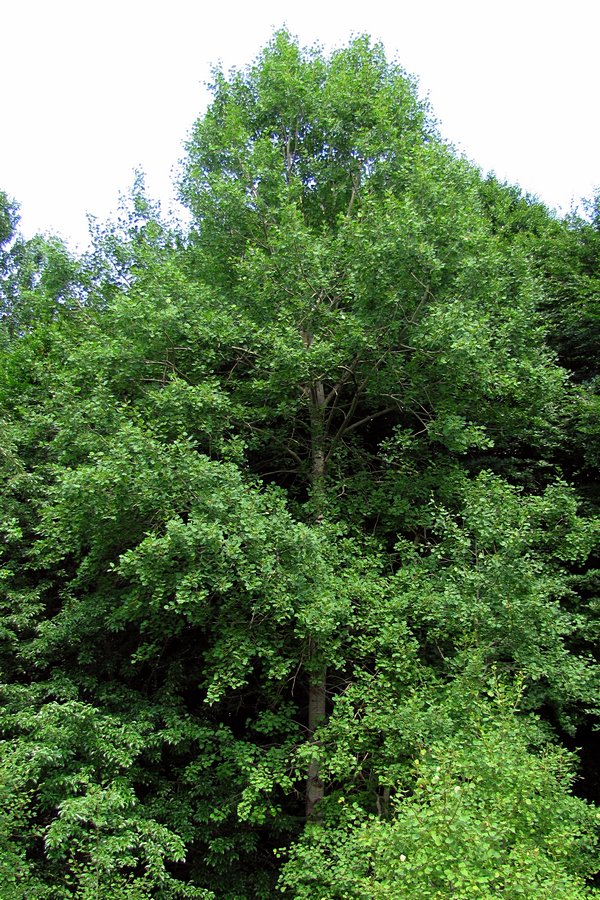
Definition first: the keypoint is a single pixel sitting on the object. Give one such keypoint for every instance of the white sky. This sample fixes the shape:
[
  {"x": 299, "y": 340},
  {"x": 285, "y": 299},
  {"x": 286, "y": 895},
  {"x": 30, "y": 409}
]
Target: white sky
[{"x": 92, "y": 90}]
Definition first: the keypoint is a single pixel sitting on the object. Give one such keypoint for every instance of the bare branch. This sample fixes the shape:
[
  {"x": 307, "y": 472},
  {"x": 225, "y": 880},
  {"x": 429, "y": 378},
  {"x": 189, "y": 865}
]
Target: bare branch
[
  {"x": 349, "y": 372},
  {"x": 166, "y": 364},
  {"x": 352, "y": 198},
  {"x": 343, "y": 426},
  {"x": 363, "y": 421},
  {"x": 244, "y": 350},
  {"x": 294, "y": 455}
]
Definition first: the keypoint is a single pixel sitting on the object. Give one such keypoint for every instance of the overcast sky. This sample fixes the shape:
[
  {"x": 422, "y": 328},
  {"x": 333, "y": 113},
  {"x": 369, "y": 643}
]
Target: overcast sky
[{"x": 92, "y": 90}]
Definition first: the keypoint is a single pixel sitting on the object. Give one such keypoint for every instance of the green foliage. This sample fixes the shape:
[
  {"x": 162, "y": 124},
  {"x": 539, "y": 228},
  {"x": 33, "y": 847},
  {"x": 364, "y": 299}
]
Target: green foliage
[
  {"x": 564, "y": 256},
  {"x": 480, "y": 813},
  {"x": 494, "y": 578},
  {"x": 320, "y": 439},
  {"x": 39, "y": 279}
]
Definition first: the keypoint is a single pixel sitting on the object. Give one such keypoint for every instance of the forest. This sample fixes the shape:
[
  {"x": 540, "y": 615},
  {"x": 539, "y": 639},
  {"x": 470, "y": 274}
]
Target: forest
[{"x": 300, "y": 518}]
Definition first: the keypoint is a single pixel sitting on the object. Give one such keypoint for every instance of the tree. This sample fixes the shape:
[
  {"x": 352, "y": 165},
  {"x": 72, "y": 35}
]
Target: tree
[
  {"x": 350, "y": 240},
  {"x": 39, "y": 278}
]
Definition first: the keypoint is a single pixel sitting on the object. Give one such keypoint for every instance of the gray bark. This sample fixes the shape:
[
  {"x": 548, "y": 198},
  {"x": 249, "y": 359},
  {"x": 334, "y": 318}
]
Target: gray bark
[{"x": 317, "y": 689}]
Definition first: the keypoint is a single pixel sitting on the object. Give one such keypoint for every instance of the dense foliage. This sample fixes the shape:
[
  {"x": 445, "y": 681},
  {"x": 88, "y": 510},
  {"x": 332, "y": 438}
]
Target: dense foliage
[{"x": 300, "y": 519}]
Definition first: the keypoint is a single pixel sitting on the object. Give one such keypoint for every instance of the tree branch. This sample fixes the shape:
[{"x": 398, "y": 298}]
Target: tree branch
[
  {"x": 349, "y": 373},
  {"x": 363, "y": 421}
]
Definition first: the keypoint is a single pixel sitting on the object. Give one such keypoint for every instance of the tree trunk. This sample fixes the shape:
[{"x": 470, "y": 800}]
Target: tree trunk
[
  {"x": 317, "y": 445},
  {"x": 317, "y": 689}
]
